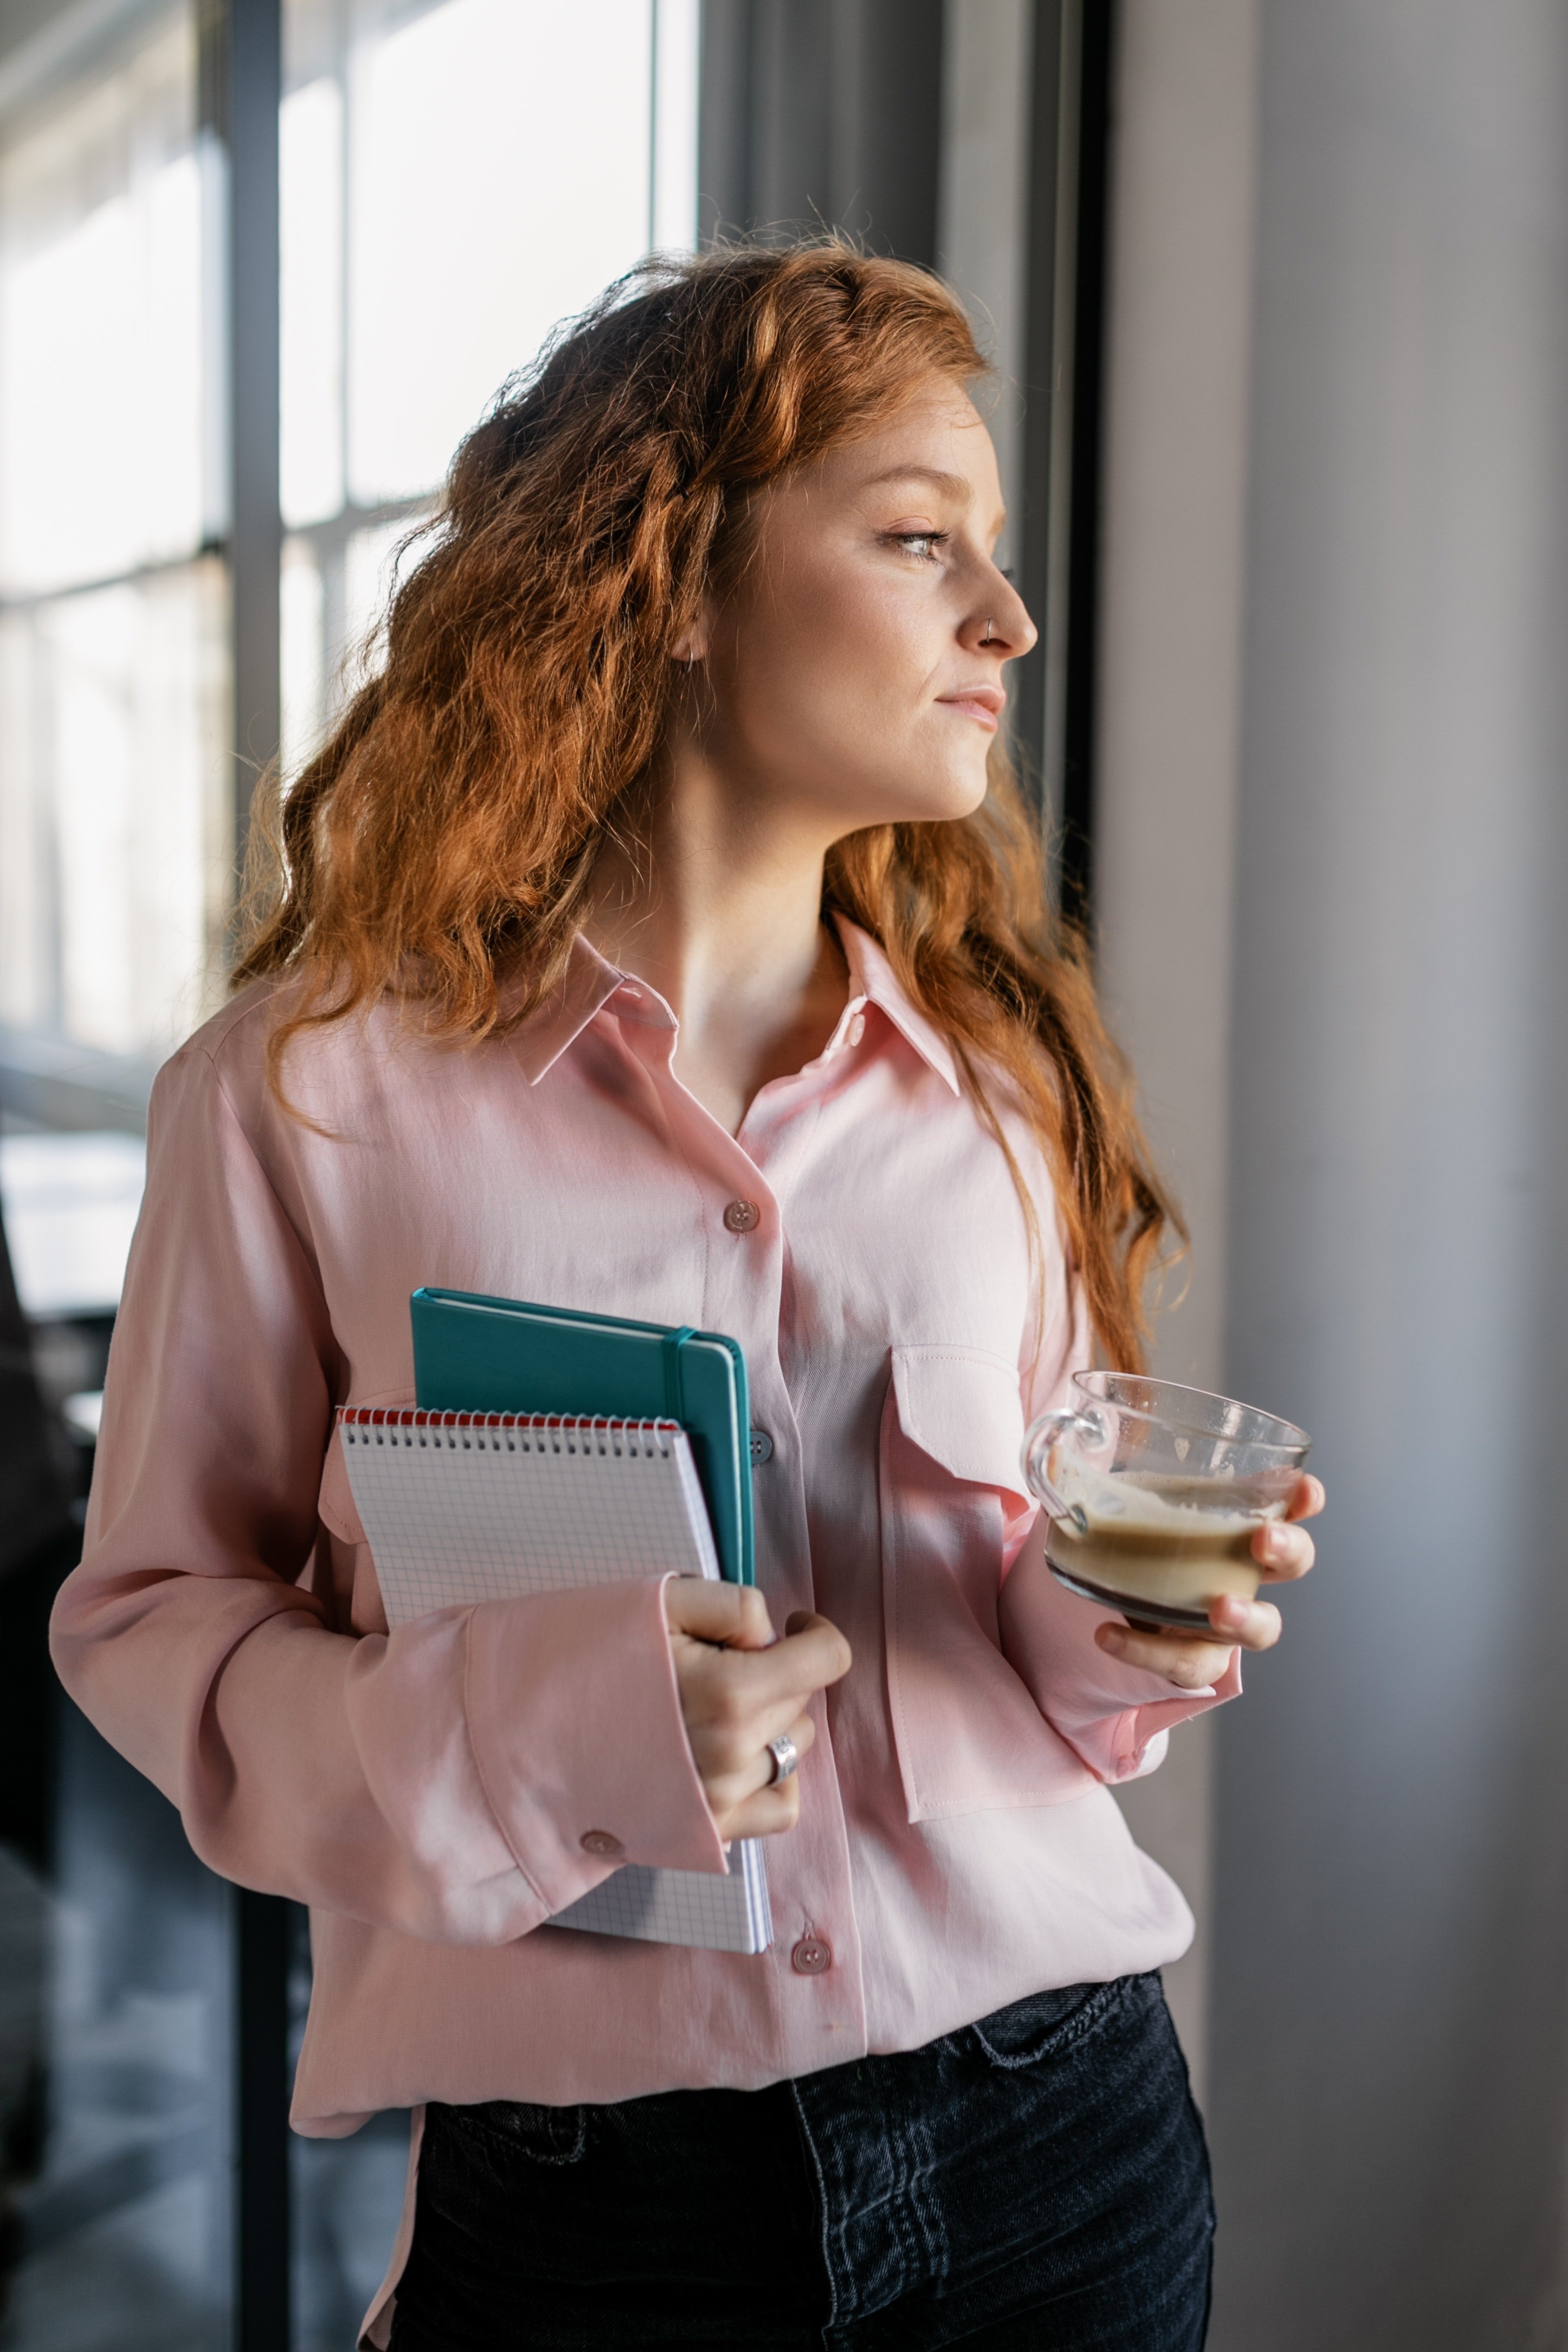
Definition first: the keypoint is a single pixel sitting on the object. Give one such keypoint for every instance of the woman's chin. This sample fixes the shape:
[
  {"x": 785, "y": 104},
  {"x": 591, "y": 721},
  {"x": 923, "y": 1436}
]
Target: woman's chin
[
  {"x": 956, "y": 796},
  {"x": 935, "y": 798}
]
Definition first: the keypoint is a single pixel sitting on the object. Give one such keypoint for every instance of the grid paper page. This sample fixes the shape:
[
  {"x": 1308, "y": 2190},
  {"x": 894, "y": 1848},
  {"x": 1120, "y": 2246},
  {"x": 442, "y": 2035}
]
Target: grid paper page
[
  {"x": 679, "y": 1906},
  {"x": 460, "y": 1509}
]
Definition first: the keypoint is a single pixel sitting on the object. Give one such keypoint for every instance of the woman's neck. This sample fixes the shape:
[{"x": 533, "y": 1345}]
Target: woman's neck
[{"x": 720, "y": 911}]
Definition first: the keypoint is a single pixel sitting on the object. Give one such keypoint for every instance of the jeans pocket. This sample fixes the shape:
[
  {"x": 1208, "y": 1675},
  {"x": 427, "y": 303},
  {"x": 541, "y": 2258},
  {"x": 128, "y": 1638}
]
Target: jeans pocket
[
  {"x": 513, "y": 2128},
  {"x": 1046, "y": 2025}
]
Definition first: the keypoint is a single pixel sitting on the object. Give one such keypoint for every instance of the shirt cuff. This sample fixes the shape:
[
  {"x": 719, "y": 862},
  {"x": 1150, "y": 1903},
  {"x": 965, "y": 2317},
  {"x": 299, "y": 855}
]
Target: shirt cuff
[
  {"x": 574, "y": 1716},
  {"x": 1139, "y": 1738}
]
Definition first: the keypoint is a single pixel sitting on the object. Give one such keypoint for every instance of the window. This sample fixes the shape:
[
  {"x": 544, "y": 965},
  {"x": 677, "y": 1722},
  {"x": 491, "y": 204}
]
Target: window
[
  {"x": 454, "y": 184},
  {"x": 456, "y": 180},
  {"x": 115, "y": 843}
]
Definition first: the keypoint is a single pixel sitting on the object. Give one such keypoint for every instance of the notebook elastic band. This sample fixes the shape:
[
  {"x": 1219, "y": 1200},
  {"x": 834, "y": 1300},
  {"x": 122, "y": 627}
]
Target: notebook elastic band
[{"x": 674, "y": 1387}]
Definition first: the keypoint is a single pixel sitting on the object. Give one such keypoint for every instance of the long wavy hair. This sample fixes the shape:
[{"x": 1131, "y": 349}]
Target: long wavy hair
[{"x": 440, "y": 845}]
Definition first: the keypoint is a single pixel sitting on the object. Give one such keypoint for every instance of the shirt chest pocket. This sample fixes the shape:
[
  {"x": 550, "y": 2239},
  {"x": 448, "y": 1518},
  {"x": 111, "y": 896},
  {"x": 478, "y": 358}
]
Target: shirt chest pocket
[{"x": 970, "y": 1738}]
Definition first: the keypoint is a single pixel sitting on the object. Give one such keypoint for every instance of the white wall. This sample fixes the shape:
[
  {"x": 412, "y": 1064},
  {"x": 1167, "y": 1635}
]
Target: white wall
[
  {"x": 1388, "y": 2094},
  {"x": 1332, "y": 868},
  {"x": 1177, "y": 377}
]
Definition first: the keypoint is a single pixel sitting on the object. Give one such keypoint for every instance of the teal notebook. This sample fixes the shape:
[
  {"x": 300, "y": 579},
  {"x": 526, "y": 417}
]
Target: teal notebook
[
  {"x": 477, "y": 1355},
  {"x": 473, "y": 1354}
]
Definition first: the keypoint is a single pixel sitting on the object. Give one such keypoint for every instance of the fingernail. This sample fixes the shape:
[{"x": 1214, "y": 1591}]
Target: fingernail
[
  {"x": 1276, "y": 1543},
  {"x": 1232, "y": 1614}
]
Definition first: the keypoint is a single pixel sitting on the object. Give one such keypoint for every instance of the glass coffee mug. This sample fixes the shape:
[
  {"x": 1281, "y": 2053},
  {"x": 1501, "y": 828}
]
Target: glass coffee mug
[{"x": 1154, "y": 1492}]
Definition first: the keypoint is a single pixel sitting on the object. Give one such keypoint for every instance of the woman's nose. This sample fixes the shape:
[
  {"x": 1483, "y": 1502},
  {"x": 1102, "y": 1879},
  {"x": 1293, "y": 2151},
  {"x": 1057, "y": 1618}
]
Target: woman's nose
[{"x": 1005, "y": 627}]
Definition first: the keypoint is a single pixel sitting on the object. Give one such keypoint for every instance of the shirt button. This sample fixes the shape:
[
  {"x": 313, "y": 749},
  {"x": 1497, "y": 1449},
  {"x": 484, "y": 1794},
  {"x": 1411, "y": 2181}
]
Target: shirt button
[
  {"x": 812, "y": 1957},
  {"x": 601, "y": 1841},
  {"x": 742, "y": 1215},
  {"x": 856, "y": 1029},
  {"x": 761, "y": 1445}
]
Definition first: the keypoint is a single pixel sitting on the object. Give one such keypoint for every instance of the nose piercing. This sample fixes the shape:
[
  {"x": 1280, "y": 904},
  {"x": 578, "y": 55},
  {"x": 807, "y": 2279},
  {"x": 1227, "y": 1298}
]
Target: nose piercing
[{"x": 989, "y": 627}]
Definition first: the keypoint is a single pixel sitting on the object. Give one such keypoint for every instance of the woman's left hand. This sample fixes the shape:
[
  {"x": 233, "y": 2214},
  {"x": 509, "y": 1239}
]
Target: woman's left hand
[{"x": 1192, "y": 1661}]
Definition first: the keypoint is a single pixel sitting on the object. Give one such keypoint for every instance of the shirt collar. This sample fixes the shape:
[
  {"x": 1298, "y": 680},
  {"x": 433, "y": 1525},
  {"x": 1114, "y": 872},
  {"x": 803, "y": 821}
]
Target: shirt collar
[
  {"x": 589, "y": 984},
  {"x": 590, "y": 981},
  {"x": 871, "y": 976}
]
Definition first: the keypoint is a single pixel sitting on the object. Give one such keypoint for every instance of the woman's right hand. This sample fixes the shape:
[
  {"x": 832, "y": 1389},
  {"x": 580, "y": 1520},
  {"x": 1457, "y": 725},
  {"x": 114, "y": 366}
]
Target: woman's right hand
[{"x": 741, "y": 1686}]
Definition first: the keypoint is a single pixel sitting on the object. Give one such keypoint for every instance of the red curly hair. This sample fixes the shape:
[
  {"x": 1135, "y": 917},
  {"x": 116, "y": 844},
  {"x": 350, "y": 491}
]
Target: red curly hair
[{"x": 442, "y": 842}]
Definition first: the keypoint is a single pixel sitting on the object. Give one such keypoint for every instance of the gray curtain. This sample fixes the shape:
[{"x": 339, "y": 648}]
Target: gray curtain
[{"x": 820, "y": 113}]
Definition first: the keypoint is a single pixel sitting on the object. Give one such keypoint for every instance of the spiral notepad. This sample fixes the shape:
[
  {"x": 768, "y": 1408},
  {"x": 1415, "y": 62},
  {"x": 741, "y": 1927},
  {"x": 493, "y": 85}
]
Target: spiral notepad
[{"x": 463, "y": 1508}]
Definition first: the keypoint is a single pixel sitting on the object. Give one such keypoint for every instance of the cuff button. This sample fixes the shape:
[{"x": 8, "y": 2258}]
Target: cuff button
[
  {"x": 601, "y": 1841},
  {"x": 811, "y": 1957}
]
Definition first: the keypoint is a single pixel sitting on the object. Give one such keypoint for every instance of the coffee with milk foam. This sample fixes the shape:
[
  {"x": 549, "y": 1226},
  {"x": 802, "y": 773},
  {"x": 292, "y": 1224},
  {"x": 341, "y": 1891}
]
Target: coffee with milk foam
[{"x": 1169, "y": 1540}]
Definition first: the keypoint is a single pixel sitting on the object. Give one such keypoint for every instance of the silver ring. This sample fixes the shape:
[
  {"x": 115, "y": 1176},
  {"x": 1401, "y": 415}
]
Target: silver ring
[{"x": 786, "y": 1759}]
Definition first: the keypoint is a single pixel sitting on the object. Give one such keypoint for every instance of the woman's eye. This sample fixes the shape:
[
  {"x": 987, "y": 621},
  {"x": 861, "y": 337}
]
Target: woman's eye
[{"x": 923, "y": 544}]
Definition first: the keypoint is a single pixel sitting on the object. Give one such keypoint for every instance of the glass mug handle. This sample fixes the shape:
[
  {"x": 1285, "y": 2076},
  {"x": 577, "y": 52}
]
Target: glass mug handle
[{"x": 1041, "y": 1436}]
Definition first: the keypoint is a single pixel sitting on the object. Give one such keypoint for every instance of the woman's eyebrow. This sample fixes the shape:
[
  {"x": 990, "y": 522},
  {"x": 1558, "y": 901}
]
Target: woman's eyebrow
[{"x": 953, "y": 485}]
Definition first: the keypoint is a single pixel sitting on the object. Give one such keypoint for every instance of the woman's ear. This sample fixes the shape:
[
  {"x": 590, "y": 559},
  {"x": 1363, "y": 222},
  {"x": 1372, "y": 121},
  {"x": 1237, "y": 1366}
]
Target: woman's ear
[{"x": 692, "y": 646}]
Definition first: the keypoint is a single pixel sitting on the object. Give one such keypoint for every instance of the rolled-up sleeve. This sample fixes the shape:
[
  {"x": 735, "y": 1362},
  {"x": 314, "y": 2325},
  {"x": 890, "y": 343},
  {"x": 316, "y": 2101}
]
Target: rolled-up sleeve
[{"x": 440, "y": 1780}]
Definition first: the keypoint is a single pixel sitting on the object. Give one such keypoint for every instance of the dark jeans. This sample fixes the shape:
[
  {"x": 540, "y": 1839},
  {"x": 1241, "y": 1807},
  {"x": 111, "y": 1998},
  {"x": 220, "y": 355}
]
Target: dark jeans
[{"x": 1039, "y": 2179}]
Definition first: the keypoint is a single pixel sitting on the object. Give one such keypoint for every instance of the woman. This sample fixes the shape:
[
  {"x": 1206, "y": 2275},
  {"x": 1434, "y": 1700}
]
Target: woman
[{"x": 658, "y": 934}]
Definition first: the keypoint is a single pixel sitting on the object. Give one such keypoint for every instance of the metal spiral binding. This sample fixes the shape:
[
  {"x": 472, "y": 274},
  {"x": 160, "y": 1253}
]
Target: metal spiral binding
[{"x": 505, "y": 1433}]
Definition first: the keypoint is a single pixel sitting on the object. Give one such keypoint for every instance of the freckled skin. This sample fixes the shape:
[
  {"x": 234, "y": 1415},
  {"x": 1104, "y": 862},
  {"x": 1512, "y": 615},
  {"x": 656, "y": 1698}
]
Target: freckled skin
[{"x": 872, "y": 600}]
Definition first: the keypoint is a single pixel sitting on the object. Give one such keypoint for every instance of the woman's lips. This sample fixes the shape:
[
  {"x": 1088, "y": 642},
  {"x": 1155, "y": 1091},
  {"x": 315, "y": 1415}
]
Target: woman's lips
[{"x": 984, "y": 704}]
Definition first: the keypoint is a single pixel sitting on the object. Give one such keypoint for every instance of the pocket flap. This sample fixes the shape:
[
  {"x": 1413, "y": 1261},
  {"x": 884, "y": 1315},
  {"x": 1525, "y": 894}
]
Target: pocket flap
[{"x": 963, "y": 1408}]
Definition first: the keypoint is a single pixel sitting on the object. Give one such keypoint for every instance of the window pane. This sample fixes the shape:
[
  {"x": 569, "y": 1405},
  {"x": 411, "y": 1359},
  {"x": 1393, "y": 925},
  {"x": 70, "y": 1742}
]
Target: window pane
[
  {"x": 372, "y": 568},
  {"x": 302, "y": 613},
  {"x": 104, "y": 455},
  {"x": 456, "y": 179},
  {"x": 113, "y": 804},
  {"x": 498, "y": 176},
  {"x": 310, "y": 164},
  {"x": 333, "y": 600},
  {"x": 71, "y": 1203}
]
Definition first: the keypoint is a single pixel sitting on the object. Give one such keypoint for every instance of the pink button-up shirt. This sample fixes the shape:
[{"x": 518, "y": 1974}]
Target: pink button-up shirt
[{"x": 428, "y": 1792}]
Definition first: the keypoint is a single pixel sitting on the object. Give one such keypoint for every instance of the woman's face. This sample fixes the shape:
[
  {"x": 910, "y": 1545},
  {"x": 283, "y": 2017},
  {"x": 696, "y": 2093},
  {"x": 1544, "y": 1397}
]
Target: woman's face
[{"x": 855, "y": 676}]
